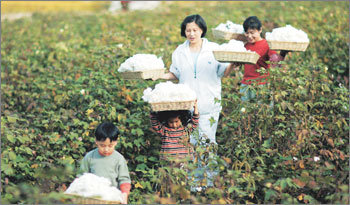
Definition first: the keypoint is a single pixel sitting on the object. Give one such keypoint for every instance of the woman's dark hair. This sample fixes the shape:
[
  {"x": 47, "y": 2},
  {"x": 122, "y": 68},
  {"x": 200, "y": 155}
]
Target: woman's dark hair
[
  {"x": 106, "y": 130},
  {"x": 184, "y": 115},
  {"x": 198, "y": 20},
  {"x": 252, "y": 22}
]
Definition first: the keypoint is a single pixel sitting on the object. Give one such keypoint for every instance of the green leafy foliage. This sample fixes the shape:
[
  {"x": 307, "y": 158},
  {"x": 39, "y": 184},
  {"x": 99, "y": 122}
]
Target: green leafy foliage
[{"x": 59, "y": 80}]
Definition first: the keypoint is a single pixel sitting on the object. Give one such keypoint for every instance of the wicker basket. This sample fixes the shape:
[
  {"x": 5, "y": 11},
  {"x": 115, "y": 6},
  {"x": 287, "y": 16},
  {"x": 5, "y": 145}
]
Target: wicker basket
[
  {"x": 290, "y": 46},
  {"x": 181, "y": 105},
  {"x": 219, "y": 34},
  {"x": 235, "y": 56},
  {"x": 146, "y": 74},
  {"x": 76, "y": 199}
]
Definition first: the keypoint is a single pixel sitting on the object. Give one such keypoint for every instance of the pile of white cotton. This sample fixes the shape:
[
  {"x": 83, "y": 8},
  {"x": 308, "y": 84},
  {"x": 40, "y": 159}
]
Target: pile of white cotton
[
  {"x": 233, "y": 45},
  {"x": 168, "y": 92},
  {"x": 141, "y": 62},
  {"x": 230, "y": 27},
  {"x": 287, "y": 33},
  {"x": 90, "y": 185}
]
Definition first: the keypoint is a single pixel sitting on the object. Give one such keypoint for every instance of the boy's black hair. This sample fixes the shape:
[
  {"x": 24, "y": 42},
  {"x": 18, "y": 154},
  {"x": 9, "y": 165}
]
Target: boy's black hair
[
  {"x": 184, "y": 115},
  {"x": 252, "y": 22},
  {"x": 106, "y": 130},
  {"x": 198, "y": 20}
]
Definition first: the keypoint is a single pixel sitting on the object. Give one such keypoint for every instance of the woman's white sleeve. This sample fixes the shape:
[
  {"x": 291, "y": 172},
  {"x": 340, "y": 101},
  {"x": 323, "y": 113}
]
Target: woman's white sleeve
[
  {"x": 174, "y": 66},
  {"x": 221, "y": 67}
]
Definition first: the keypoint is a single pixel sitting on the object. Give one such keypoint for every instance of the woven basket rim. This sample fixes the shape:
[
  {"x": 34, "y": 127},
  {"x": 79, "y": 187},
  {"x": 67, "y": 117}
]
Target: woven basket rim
[
  {"x": 168, "y": 102},
  {"x": 232, "y": 52},
  {"x": 293, "y": 42},
  {"x": 92, "y": 198},
  {"x": 146, "y": 74},
  {"x": 236, "y": 56},
  {"x": 286, "y": 45},
  {"x": 178, "y": 105}
]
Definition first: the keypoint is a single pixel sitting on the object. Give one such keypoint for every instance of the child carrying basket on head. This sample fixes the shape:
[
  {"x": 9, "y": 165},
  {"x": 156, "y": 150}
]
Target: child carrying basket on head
[{"x": 175, "y": 127}]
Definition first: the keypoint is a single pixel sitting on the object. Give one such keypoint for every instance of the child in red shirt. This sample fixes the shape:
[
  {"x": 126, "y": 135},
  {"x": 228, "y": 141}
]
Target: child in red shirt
[{"x": 252, "y": 28}]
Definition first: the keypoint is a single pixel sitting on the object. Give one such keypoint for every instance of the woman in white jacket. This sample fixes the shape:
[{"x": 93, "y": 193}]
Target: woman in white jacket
[{"x": 193, "y": 63}]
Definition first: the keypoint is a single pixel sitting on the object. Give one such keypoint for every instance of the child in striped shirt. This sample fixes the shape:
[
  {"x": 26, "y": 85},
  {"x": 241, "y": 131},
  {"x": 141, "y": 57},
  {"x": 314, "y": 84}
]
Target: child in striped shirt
[{"x": 175, "y": 129}]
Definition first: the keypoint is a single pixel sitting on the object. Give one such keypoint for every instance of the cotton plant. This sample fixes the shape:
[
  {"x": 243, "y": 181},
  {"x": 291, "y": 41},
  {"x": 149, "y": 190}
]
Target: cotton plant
[
  {"x": 287, "y": 33},
  {"x": 229, "y": 26},
  {"x": 142, "y": 62},
  {"x": 90, "y": 185},
  {"x": 168, "y": 92}
]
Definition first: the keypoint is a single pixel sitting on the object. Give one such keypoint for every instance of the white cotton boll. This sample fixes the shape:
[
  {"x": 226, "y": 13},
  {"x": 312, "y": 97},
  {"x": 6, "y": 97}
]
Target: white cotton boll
[
  {"x": 168, "y": 92},
  {"x": 141, "y": 62},
  {"x": 287, "y": 33},
  {"x": 230, "y": 27},
  {"x": 146, "y": 94},
  {"x": 233, "y": 45},
  {"x": 120, "y": 45},
  {"x": 110, "y": 194},
  {"x": 126, "y": 66},
  {"x": 90, "y": 185}
]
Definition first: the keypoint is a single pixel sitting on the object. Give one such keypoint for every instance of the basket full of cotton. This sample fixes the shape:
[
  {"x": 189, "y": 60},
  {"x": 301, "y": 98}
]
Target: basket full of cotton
[
  {"x": 287, "y": 38},
  {"x": 170, "y": 96},
  {"x": 228, "y": 31},
  {"x": 142, "y": 66},
  {"x": 234, "y": 51},
  {"x": 92, "y": 189}
]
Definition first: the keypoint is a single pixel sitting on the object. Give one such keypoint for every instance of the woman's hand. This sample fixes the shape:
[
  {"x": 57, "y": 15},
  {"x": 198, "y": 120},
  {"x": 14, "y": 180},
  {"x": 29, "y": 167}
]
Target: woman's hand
[
  {"x": 166, "y": 76},
  {"x": 236, "y": 65},
  {"x": 233, "y": 66},
  {"x": 283, "y": 53},
  {"x": 155, "y": 78}
]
